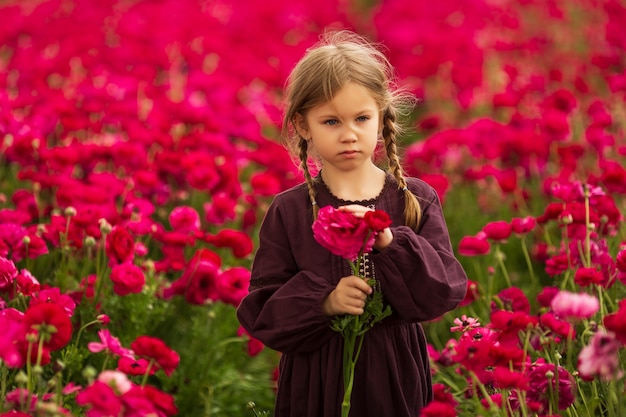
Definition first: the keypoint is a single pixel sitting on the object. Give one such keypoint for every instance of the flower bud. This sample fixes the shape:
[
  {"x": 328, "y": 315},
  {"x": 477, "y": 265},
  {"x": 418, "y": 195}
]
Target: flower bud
[
  {"x": 21, "y": 378},
  {"x": 26, "y": 240},
  {"x": 104, "y": 319},
  {"x": 90, "y": 372},
  {"x": 69, "y": 211},
  {"x": 90, "y": 242},
  {"x": 105, "y": 226}
]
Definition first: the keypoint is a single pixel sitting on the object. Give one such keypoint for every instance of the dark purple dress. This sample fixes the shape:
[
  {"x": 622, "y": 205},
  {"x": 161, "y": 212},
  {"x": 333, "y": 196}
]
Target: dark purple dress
[{"x": 292, "y": 274}]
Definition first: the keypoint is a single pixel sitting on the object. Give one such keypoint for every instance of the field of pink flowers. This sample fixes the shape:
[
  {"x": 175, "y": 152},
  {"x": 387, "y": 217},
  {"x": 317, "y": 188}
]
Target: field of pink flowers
[{"x": 138, "y": 153}]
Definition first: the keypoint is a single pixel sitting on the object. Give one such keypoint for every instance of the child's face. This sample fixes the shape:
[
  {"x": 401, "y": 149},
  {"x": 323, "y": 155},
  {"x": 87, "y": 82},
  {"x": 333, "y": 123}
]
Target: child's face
[{"x": 343, "y": 131}]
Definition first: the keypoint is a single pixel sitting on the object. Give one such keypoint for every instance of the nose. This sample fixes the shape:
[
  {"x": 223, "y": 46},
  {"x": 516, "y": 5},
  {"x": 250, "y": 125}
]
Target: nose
[{"x": 348, "y": 134}]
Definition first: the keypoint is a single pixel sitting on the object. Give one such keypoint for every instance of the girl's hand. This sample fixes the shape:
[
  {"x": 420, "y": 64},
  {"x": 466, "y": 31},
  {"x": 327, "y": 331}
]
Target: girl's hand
[
  {"x": 348, "y": 297},
  {"x": 383, "y": 239}
]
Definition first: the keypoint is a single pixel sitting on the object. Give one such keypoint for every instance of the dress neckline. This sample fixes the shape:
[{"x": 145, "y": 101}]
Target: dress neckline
[{"x": 367, "y": 202}]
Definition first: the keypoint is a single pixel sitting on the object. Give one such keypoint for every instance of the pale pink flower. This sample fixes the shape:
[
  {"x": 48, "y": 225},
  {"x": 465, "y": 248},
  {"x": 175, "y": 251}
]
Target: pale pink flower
[
  {"x": 116, "y": 380},
  {"x": 464, "y": 323},
  {"x": 600, "y": 358},
  {"x": 568, "y": 304}
]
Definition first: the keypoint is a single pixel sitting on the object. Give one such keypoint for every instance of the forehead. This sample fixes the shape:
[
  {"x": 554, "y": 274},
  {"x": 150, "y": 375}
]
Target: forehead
[{"x": 352, "y": 97}]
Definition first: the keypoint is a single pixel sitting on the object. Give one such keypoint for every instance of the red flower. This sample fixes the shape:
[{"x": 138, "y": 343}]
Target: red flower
[
  {"x": 153, "y": 348},
  {"x": 587, "y": 276},
  {"x": 377, "y": 220},
  {"x": 473, "y": 246},
  {"x": 131, "y": 366},
  {"x": 120, "y": 246},
  {"x": 438, "y": 409},
  {"x": 51, "y": 322},
  {"x": 127, "y": 278},
  {"x": 8, "y": 273},
  {"x": 616, "y": 322},
  {"x": 239, "y": 242},
  {"x": 162, "y": 401}
]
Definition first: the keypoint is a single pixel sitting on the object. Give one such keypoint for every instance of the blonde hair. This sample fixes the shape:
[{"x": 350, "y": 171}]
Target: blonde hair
[{"x": 338, "y": 58}]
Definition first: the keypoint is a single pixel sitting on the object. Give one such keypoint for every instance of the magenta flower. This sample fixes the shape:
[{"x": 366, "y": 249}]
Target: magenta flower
[
  {"x": 110, "y": 344},
  {"x": 342, "y": 233},
  {"x": 498, "y": 230},
  {"x": 184, "y": 219},
  {"x": 573, "y": 305},
  {"x": 100, "y": 399},
  {"x": 523, "y": 225},
  {"x": 127, "y": 278},
  {"x": 8, "y": 273},
  {"x": 545, "y": 379},
  {"x": 474, "y": 246}
]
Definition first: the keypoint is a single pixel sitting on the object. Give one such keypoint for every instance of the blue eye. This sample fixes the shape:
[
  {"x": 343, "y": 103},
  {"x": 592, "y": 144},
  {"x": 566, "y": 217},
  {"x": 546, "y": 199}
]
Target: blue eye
[
  {"x": 363, "y": 118},
  {"x": 331, "y": 122}
]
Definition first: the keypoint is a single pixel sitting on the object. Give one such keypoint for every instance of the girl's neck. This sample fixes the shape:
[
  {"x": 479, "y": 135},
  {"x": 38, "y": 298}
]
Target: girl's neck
[{"x": 355, "y": 185}]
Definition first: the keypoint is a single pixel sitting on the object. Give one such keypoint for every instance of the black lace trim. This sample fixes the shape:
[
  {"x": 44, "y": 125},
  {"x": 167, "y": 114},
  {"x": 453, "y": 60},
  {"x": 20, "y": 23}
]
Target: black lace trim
[{"x": 368, "y": 202}]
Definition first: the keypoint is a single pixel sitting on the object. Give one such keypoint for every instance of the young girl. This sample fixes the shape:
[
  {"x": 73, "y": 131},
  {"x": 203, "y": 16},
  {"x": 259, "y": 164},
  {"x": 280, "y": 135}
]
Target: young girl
[{"x": 341, "y": 104}]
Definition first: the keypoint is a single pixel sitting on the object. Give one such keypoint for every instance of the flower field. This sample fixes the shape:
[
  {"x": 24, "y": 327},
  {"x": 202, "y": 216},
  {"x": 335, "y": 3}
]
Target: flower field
[{"x": 138, "y": 153}]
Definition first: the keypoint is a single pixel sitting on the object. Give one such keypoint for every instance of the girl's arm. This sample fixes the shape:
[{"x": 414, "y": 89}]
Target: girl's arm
[
  {"x": 284, "y": 306},
  {"x": 419, "y": 273}
]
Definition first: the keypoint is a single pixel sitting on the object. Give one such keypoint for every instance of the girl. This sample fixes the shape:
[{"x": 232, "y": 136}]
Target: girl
[{"x": 340, "y": 104}]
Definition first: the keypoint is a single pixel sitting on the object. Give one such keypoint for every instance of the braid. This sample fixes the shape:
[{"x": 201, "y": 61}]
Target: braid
[
  {"x": 304, "y": 156},
  {"x": 412, "y": 209}
]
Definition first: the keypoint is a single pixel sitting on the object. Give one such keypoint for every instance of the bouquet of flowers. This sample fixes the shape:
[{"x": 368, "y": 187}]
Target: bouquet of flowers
[{"x": 351, "y": 237}]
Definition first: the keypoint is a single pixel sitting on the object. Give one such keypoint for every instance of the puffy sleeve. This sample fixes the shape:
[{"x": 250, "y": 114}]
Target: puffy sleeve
[
  {"x": 283, "y": 308},
  {"x": 419, "y": 273}
]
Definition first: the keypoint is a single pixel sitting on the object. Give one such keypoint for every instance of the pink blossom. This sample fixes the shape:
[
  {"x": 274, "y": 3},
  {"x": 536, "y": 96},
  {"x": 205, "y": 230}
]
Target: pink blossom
[
  {"x": 116, "y": 380},
  {"x": 575, "y": 305},
  {"x": 342, "y": 233},
  {"x": 234, "y": 284},
  {"x": 464, "y": 323},
  {"x": 8, "y": 273},
  {"x": 100, "y": 399},
  {"x": 127, "y": 278},
  {"x": 600, "y": 358},
  {"x": 110, "y": 344},
  {"x": 498, "y": 230},
  {"x": 184, "y": 219},
  {"x": 474, "y": 246},
  {"x": 523, "y": 225}
]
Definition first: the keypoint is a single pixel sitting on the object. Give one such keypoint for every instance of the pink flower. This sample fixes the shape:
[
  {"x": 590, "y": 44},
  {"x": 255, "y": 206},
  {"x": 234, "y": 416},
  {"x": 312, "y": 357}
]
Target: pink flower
[
  {"x": 239, "y": 242},
  {"x": 588, "y": 276},
  {"x": 545, "y": 379},
  {"x": 464, "y": 323},
  {"x": 8, "y": 273},
  {"x": 108, "y": 343},
  {"x": 54, "y": 295},
  {"x": 581, "y": 306},
  {"x": 154, "y": 348},
  {"x": 116, "y": 380},
  {"x": 127, "y": 278},
  {"x": 234, "y": 284},
  {"x": 601, "y": 357},
  {"x": 342, "y": 233},
  {"x": 184, "y": 219}
]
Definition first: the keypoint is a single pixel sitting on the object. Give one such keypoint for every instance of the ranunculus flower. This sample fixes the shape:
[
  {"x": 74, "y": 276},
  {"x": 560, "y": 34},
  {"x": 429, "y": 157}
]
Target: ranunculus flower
[
  {"x": 498, "y": 230},
  {"x": 342, "y": 233},
  {"x": 600, "y": 358},
  {"x": 154, "y": 348},
  {"x": 120, "y": 246},
  {"x": 108, "y": 343},
  {"x": 8, "y": 273},
  {"x": 239, "y": 242},
  {"x": 523, "y": 225},
  {"x": 616, "y": 322},
  {"x": 543, "y": 381},
  {"x": 116, "y": 380},
  {"x": 233, "y": 284},
  {"x": 377, "y": 220},
  {"x": 473, "y": 246},
  {"x": 184, "y": 219},
  {"x": 51, "y": 322},
  {"x": 572, "y": 305},
  {"x": 162, "y": 401},
  {"x": 127, "y": 278},
  {"x": 100, "y": 399},
  {"x": 134, "y": 366}
]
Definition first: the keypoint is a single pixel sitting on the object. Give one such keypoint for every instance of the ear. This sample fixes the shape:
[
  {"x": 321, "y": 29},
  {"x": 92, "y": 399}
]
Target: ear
[{"x": 300, "y": 124}]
